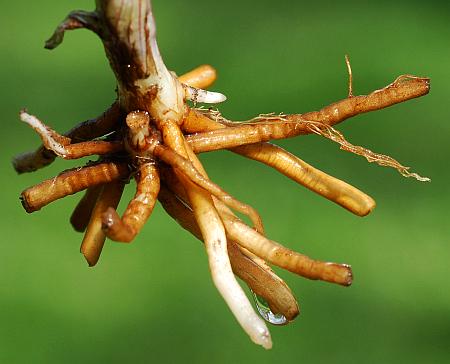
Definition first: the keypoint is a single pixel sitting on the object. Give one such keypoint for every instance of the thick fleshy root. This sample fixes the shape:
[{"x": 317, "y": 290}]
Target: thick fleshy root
[
  {"x": 72, "y": 181},
  {"x": 291, "y": 166},
  {"x": 150, "y": 133},
  {"x": 213, "y": 234},
  {"x": 258, "y": 275},
  {"x": 138, "y": 210},
  {"x": 82, "y": 213},
  {"x": 94, "y": 238}
]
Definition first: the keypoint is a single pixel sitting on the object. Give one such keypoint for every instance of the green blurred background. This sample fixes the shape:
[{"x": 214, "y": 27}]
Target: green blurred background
[{"x": 153, "y": 300}]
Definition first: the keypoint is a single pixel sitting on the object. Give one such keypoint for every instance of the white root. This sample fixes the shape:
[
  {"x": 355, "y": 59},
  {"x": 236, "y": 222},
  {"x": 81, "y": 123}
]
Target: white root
[
  {"x": 219, "y": 263},
  {"x": 44, "y": 132},
  {"x": 213, "y": 232},
  {"x": 198, "y": 95}
]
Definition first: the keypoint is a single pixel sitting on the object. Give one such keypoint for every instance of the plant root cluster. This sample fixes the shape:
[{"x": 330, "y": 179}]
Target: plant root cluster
[{"x": 138, "y": 139}]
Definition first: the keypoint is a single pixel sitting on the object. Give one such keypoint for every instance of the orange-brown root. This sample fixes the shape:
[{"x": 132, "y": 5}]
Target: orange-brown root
[
  {"x": 138, "y": 210},
  {"x": 82, "y": 213},
  {"x": 94, "y": 238},
  {"x": 70, "y": 182}
]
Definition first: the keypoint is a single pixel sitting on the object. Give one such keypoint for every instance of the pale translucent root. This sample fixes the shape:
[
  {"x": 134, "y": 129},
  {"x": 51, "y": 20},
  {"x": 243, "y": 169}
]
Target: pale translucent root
[
  {"x": 198, "y": 95},
  {"x": 247, "y": 266},
  {"x": 221, "y": 271},
  {"x": 213, "y": 233},
  {"x": 216, "y": 246},
  {"x": 223, "y": 275}
]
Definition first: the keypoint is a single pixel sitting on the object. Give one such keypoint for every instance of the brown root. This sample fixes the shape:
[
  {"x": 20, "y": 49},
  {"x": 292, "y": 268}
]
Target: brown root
[
  {"x": 70, "y": 182},
  {"x": 94, "y": 238},
  {"x": 160, "y": 135},
  {"x": 90, "y": 129},
  {"x": 258, "y": 276},
  {"x": 138, "y": 210},
  {"x": 82, "y": 213}
]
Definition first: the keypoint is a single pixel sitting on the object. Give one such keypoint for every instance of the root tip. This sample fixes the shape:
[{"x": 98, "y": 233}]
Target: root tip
[
  {"x": 25, "y": 204},
  {"x": 265, "y": 340},
  {"x": 368, "y": 208},
  {"x": 90, "y": 260},
  {"x": 349, "y": 278}
]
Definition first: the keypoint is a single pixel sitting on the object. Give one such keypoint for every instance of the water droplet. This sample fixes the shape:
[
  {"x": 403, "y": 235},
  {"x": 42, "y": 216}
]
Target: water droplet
[{"x": 266, "y": 313}]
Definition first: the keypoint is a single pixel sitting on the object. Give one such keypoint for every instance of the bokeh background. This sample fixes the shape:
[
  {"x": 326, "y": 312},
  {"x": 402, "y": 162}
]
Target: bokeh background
[{"x": 153, "y": 300}]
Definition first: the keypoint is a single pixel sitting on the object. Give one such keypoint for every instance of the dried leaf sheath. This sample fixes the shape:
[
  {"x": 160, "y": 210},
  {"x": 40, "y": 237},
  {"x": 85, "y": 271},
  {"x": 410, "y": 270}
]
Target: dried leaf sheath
[{"x": 152, "y": 136}]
